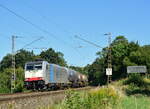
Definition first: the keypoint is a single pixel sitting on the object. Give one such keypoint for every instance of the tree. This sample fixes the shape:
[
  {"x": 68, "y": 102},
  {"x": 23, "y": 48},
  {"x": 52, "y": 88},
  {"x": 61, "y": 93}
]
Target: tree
[
  {"x": 79, "y": 69},
  {"x": 53, "y": 57},
  {"x": 5, "y": 81},
  {"x": 6, "y": 62},
  {"x": 21, "y": 58},
  {"x": 96, "y": 72},
  {"x": 120, "y": 47},
  {"x": 145, "y": 56}
]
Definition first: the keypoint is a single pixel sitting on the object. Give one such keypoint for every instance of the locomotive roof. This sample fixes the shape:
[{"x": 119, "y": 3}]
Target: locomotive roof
[{"x": 34, "y": 62}]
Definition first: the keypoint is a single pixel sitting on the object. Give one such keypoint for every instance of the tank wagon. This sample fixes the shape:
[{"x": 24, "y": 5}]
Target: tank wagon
[{"x": 43, "y": 75}]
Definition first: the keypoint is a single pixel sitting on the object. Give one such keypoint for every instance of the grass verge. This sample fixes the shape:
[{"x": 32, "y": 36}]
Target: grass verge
[{"x": 130, "y": 93}]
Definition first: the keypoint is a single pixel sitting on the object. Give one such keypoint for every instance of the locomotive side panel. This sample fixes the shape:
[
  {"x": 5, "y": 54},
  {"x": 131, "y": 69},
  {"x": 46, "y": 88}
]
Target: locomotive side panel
[
  {"x": 51, "y": 74},
  {"x": 58, "y": 74}
]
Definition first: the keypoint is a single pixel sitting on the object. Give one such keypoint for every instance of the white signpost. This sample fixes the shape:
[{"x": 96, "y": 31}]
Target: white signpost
[{"x": 109, "y": 71}]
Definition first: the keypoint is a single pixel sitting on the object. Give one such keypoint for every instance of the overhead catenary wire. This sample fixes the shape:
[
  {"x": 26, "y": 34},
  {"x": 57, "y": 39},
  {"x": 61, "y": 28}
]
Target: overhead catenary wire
[
  {"x": 26, "y": 45},
  {"x": 48, "y": 19},
  {"x": 38, "y": 27},
  {"x": 33, "y": 24},
  {"x": 56, "y": 24},
  {"x": 38, "y": 48},
  {"x": 89, "y": 42},
  {"x": 24, "y": 19},
  {"x": 32, "y": 42}
]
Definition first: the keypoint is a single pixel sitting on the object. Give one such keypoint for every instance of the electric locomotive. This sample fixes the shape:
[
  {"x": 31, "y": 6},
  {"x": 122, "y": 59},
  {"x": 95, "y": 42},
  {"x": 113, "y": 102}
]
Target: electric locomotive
[{"x": 43, "y": 75}]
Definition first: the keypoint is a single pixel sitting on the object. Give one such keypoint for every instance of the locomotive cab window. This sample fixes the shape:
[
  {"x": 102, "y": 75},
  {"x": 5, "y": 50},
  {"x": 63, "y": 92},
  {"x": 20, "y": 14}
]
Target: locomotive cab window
[
  {"x": 38, "y": 66},
  {"x": 29, "y": 67}
]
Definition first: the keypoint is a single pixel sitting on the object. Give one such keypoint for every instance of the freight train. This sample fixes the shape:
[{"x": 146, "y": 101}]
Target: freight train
[{"x": 41, "y": 75}]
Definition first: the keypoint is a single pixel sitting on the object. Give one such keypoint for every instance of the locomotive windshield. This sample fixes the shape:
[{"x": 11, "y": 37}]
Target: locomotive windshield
[
  {"x": 38, "y": 66},
  {"x": 29, "y": 67},
  {"x": 34, "y": 66}
]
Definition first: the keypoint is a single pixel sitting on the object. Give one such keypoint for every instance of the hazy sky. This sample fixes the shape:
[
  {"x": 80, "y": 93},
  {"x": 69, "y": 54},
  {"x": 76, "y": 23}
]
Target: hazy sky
[{"x": 63, "y": 19}]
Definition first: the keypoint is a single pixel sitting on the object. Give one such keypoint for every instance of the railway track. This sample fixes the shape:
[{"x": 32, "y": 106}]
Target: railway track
[{"x": 15, "y": 96}]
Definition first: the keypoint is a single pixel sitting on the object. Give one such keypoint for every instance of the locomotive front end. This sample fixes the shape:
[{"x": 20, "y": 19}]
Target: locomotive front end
[{"x": 34, "y": 75}]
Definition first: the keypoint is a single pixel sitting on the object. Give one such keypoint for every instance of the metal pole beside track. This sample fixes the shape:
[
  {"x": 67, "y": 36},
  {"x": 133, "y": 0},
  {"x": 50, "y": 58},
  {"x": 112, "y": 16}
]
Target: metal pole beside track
[
  {"x": 13, "y": 65},
  {"x": 109, "y": 58}
]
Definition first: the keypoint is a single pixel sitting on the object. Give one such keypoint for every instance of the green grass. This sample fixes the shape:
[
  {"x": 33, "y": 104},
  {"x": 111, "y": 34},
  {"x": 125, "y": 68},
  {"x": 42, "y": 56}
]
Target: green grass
[{"x": 133, "y": 102}]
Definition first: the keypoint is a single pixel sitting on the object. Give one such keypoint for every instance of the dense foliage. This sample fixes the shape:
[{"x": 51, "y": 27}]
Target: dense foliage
[
  {"x": 53, "y": 57},
  {"x": 137, "y": 84},
  {"x": 124, "y": 53},
  {"x": 104, "y": 98}
]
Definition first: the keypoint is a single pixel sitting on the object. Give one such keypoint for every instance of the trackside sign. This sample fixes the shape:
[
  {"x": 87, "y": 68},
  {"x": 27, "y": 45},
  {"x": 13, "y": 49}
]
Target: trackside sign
[
  {"x": 108, "y": 71},
  {"x": 136, "y": 69}
]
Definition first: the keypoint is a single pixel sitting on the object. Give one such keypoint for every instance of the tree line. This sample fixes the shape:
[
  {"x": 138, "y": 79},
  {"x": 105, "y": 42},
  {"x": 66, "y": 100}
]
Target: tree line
[{"x": 124, "y": 53}]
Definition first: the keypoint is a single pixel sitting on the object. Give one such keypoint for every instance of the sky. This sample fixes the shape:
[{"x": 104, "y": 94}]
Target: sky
[{"x": 58, "y": 21}]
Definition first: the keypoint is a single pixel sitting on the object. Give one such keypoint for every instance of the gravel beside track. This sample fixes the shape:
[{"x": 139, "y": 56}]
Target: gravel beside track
[{"x": 33, "y": 100}]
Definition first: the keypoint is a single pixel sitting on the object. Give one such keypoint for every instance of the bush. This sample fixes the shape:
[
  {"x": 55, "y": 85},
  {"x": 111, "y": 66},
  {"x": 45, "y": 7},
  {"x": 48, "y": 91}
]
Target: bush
[
  {"x": 104, "y": 97},
  {"x": 137, "y": 84},
  {"x": 96, "y": 99},
  {"x": 72, "y": 100},
  {"x": 137, "y": 80},
  {"x": 132, "y": 89}
]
